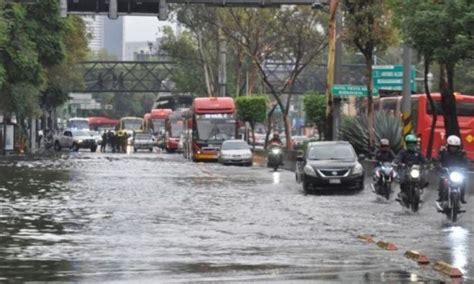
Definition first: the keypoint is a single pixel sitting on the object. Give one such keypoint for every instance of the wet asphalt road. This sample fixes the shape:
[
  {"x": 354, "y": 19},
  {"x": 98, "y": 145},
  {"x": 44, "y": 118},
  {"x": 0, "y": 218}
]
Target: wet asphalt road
[{"x": 150, "y": 218}]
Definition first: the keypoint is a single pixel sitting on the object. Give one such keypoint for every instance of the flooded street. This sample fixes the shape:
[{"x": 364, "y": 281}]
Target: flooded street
[{"x": 149, "y": 218}]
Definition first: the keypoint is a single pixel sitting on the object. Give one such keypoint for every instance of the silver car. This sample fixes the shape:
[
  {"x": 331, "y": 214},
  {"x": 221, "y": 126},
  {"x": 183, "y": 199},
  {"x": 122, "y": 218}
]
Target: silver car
[{"x": 235, "y": 152}]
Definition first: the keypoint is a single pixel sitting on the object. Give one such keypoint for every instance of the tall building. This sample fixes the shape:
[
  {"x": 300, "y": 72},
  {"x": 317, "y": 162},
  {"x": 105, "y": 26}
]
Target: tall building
[
  {"x": 95, "y": 28},
  {"x": 106, "y": 34}
]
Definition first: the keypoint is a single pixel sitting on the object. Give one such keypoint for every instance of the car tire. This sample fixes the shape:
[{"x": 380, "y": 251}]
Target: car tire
[
  {"x": 151, "y": 149},
  {"x": 307, "y": 187},
  {"x": 135, "y": 149},
  {"x": 57, "y": 146},
  {"x": 93, "y": 149}
]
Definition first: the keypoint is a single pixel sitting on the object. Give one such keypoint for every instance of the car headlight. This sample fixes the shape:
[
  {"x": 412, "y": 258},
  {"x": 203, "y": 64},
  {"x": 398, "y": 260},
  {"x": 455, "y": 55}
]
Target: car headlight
[
  {"x": 79, "y": 141},
  {"x": 358, "y": 169},
  {"x": 309, "y": 170},
  {"x": 456, "y": 177},
  {"x": 415, "y": 173}
]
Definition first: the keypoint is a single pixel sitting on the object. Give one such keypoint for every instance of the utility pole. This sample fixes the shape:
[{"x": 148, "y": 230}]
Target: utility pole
[
  {"x": 331, "y": 68},
  {"x": 222, "y": 73},
  {"x": 337, "y": 102},
  {"x": 406, "y": 99}
]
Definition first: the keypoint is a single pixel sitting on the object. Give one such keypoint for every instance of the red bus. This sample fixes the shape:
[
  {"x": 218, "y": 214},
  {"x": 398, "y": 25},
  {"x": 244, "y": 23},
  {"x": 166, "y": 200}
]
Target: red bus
[
  {"x": 158, "y": 117},
  {"x": 422, "y": 118},
  {"x": 211, "y": 121},
  {"x": 99, "y": 123},
  {"x": 174, "y": 129}
]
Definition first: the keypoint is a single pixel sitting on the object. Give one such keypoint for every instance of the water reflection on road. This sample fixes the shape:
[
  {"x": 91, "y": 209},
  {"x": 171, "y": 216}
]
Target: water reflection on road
[{"x": 156, "y": 217}]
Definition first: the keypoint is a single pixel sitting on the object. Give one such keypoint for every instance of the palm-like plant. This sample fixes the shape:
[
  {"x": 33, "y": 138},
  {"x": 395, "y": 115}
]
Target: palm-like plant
[{"x": 355, "y": 130}]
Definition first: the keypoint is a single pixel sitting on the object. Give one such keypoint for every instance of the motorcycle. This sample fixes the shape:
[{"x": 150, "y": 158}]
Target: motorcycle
[
  {"x": 385, "y": 174},
  {"x": 454, "y": 181},
  {"x": 275, "y": 156},
  {"x": 411, "y": 198}
]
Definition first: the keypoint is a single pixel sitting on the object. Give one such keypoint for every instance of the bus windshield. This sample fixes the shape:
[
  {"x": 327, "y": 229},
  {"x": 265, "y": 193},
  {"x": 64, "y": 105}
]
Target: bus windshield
[
  {"x": 158, "y": 124},
  {"x": 462, "y": 108},
  {"x": 132, "y": 124},
  {"x": 78, "y": 124},
  {"x": 176, "y": 128},
  {"x": 215, "y": 129}
]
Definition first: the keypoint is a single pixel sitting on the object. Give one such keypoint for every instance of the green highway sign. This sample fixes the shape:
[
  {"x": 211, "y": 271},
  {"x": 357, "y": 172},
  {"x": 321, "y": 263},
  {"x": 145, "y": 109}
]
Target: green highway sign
[
  {"x": 351, "y": 90},
  {"x": 390, "y": 77}
]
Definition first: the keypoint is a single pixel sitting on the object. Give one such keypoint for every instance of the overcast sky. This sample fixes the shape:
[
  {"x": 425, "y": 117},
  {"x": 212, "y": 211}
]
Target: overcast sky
[{"x": 143, "y": 28}]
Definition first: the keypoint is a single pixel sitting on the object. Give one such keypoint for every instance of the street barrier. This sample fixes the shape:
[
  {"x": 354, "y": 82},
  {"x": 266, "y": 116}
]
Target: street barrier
[
  {"x": 366, "y": 238},
  {"x": 418, "y": 257},
  {"x": 386, "y": 245},
  {"x": 447, "y": 269}
]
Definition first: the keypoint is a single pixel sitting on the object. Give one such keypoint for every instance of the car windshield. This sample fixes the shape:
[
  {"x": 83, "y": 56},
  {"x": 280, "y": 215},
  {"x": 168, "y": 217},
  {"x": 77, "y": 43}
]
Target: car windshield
[
  {"x": 331, "y": 152},
  {"x": 215, "y": 129},
  {"x": 78, "y": 124},
  {"x": 142, "y": 136},
  {"x": 82, "y": 133},
  {"x": 237, "y": 145}
]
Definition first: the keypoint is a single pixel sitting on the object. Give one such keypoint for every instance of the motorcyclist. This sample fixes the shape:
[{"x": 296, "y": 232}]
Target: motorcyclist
[
  {"x": 384, "y": 154},
  {"x": 452, "y": 155},
  {"x": 407, "y": 157},
  {"x": 276, "y": 139}
]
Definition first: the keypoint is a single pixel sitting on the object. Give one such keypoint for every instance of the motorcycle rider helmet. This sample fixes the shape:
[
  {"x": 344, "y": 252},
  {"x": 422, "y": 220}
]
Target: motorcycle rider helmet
[
  {"x": 276, "y": 135},
  {"x": 453, "y": 143},
  {"x": 384, "y": 144},
  {"x": 411, "y": 142}
]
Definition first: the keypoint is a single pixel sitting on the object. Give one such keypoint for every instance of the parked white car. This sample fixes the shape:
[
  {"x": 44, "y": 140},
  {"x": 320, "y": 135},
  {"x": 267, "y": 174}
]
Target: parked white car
[
  {"x": 75, "y": 140},
  {"x": 236, "y": 152}
]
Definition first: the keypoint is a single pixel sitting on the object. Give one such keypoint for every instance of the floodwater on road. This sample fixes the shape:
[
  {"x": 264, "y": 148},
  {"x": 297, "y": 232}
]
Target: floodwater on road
[{"x": 149, "y": 217}]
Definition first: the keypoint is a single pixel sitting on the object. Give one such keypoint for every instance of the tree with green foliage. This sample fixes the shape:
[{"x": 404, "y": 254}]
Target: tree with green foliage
[
  {"x": 252, "y": 109},
  {"x": 314, "y": 105},
  {"x": 368, "y": 27},
  {"x": 293, "y": 36},
  {"x": 441, "y": 32}
]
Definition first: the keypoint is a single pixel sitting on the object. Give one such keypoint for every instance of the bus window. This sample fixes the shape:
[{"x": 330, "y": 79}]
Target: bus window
[
  {"x": 462, "y": 108},
  {"x": 389, "y": 105}
]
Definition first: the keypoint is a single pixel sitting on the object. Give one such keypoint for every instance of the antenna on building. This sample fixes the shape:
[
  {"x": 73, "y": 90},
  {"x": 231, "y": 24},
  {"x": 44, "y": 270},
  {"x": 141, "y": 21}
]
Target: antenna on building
[{"x": 113, "y": 9}]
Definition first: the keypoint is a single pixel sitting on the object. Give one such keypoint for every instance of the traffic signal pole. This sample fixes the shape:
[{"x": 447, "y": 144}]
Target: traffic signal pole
[{"x": 406, "y": 99}]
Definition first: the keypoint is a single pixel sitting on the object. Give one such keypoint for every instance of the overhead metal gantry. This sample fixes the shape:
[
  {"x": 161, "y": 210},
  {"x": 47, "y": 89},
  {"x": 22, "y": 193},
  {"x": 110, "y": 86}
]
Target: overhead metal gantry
[{"x": 115, "y": 8}]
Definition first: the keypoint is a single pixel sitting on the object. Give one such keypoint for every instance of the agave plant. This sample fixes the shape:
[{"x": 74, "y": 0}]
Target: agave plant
[{"x": 355, "y": 130}]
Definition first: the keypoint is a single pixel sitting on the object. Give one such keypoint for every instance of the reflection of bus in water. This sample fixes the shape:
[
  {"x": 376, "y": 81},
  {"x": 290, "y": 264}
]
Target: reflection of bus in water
[
  {"x": 131, "y": 124},
  {"x": 158, "y": 118},
  {"x": 212, "y": 121},
  {"x": 174, "y": 129},
  {"x": 422, "y": 114},
  {"x": 99, "y": 123},
  {"x": 78, "y": 123}
]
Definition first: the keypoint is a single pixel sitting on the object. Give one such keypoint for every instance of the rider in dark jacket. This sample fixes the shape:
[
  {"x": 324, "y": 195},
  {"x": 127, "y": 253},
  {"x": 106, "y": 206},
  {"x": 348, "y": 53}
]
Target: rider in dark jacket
[
  {"x": 408, "y": 157},
  {"x": 452, "y": 156},
  {"x": 384, "y": 154}
]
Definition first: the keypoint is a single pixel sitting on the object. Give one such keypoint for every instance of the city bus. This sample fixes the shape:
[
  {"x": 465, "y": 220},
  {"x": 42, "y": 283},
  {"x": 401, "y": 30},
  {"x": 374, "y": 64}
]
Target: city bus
[
  {"x": 158, "y": 118},
  {"x": 131, "y": 124},
  {"x": 100, "y": 123},
  {"x": 211, "y": 122},
  {"x": 422, "y": 114},
  {"x": 173, "y": 130},
  {"x": 78, "y": 123}
]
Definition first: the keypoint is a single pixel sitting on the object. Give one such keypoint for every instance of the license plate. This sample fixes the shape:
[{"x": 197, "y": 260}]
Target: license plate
[{"x": 334, "y": 181}]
